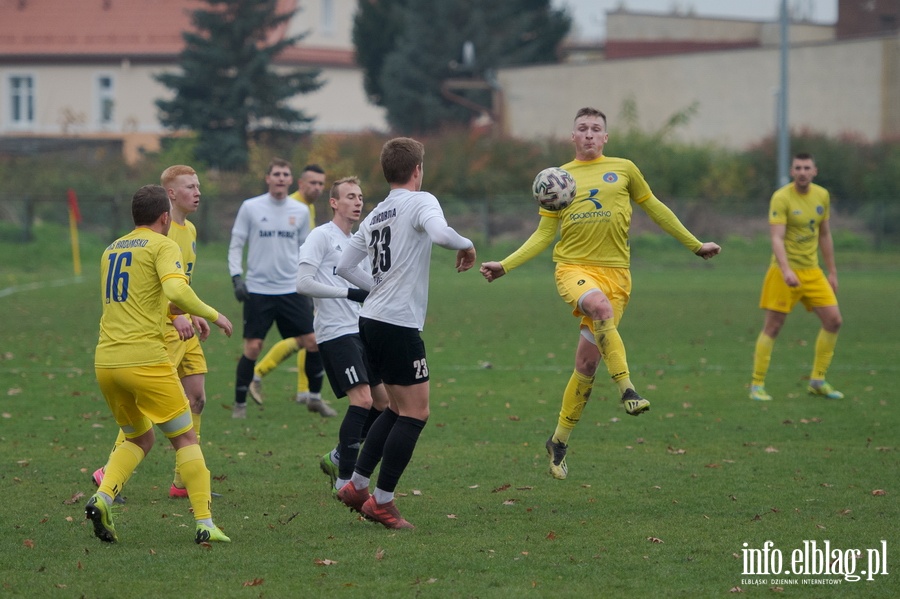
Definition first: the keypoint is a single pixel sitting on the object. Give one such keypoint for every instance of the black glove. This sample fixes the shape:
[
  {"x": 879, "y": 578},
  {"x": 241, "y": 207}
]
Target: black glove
[
  {"x": 357, "y": 295},
  {"x": 240, "y": 288}
]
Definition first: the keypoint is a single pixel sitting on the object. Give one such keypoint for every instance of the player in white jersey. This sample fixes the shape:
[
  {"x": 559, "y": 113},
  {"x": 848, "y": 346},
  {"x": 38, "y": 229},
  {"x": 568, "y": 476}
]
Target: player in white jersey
[
  {"x": 309, "y": 187},
  {"x": 397, "y": 237},
  {"x": 337, "y": 328},
  {"x": 274, "y": 227}
]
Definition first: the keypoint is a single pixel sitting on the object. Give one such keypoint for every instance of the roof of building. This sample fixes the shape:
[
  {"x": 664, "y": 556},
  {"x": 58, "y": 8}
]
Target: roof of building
[{"x": 35, "y": 31}]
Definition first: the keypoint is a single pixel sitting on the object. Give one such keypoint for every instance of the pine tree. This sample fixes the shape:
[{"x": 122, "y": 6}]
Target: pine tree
[
  {"x": 376, "y": 26},
  {"x": 227, "y": 89},
  {"x": 408, "y": 48}
]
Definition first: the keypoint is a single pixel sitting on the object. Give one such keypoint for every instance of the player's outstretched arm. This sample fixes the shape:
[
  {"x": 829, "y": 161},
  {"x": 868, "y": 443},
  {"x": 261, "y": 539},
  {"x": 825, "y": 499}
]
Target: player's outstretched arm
[
  {"x": 708, "y": 250},
  {"x": 491, "y": 270},
  {"x": 177, "y": 291}
]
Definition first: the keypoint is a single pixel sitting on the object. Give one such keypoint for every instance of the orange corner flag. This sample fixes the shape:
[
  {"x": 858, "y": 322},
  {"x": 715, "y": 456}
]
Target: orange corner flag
[
  {"x": 73, "y": 206},
  {"x": 74, "y": 219}
]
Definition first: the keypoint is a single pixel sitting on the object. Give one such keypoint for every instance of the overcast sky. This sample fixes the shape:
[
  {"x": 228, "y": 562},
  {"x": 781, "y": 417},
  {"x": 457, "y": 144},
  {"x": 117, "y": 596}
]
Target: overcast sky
[{"x": 590, "y": 15}]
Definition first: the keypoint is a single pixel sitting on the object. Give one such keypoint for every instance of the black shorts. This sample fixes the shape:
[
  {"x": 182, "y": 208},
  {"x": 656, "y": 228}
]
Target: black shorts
[
  {"x": 396, "y": 354},
  {"x": 346, "y": 364},
  {"x": 292, "y": 313}
]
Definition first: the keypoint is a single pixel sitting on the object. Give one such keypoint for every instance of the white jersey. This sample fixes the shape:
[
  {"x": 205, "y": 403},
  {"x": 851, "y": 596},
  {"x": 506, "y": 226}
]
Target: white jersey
[
  {"x": 399, "y": 255},
  {"x": 274, "y": 230},
  {"x": 335, "y": 316}
]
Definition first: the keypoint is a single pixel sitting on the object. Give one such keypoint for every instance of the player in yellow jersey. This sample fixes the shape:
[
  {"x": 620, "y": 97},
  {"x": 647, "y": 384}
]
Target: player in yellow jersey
[
  {"x": 309, "y": 188},
  {"x": 140, "y": 273},
  {"x": 593, "y": 267},
  {"x": 183, "y": 188},
  {"x": 799, "y": 227}
]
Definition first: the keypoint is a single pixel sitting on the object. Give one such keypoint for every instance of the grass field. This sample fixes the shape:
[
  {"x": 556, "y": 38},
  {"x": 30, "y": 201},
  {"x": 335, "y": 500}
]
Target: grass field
[{"x": 656, "y": 506}]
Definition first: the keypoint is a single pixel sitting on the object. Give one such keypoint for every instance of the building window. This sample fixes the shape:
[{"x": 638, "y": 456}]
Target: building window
[
  {"x": 21, "y": 100},
  {"x": 327, "y": 17},
  {"x": 106, "y": 101}
]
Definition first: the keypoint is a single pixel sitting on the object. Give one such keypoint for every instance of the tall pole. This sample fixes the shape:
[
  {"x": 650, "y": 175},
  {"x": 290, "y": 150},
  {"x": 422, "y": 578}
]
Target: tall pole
[{"x": 784, "y": 141}]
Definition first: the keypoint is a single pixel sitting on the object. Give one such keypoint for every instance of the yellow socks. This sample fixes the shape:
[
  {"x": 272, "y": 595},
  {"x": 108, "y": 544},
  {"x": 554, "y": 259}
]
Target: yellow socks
[
  {"x": 120, "y": 438},
  {"x": 302, "y": 379},
  {"x": 825, "y": 343},
  {"x": 122, "y": 462},
  {"x": 762, "y": 356},
  {"x": 575, "y": 397},
  {"x": 190, "y": 463},
  {"x": 280, "y": 352},
  {"x": 177, "y": 481},
  {"x": 611, "y": 347}
]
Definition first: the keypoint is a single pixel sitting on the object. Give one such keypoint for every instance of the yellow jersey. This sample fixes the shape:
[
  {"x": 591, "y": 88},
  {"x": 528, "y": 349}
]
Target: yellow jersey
[
  {"x": 186, "y": 237},
  {"x": 312, "y": 208},
  {"x": 802, "y": 214},
  {"x": 133, "y": 320},
  {"x": 594, "y": 227}
]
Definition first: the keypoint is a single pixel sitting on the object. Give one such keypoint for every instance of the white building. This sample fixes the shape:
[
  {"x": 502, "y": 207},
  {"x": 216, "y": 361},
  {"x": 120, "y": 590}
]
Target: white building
[{"x": 86, "y": 68}]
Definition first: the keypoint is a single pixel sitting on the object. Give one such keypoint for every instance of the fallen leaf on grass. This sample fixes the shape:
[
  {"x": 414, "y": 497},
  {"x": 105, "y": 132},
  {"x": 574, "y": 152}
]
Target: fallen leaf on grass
[
  {"x": 252, "y": 583},
  {"x": 551, "y": 536},
  {"x": 879, "y": 492},
  {"x": 654, "y": 540},
  {"x": 675, "y": 451},
  {"x": 74, "y": 498},
  {"x": 510, "y": 502},
  {"x": 417, "y": 492},
  {"x": 451, "y": 516},
  {"x": 771, "y": 449},
  {"x": 526, "y": 488},
  {"x": 324, "y": 562},
  {"x": 501, "y": 488},
  {"x": 379, "y": 554},
  {"x": 28, "y": 543},
  {"x": 735, "y": 590},
  {"x": 514, "y": 418}
]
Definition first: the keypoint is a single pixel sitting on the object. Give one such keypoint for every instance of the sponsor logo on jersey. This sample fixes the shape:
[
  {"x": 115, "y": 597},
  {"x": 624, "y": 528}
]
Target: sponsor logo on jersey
[{"x": 597, "y": 212}]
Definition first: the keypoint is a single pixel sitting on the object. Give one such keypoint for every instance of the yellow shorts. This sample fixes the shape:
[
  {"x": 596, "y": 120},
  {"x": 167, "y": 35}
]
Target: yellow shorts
[
  {"x": 187, "y": 356},
  {"x": 814, "y": 291},
  {"x": 573, "y": 280},
  {"x": 142, "y": 396}
]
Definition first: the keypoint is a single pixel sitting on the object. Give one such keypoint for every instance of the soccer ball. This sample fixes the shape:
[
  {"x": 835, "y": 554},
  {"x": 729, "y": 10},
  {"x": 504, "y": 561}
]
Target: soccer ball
[{"x": 554, "y": 188}]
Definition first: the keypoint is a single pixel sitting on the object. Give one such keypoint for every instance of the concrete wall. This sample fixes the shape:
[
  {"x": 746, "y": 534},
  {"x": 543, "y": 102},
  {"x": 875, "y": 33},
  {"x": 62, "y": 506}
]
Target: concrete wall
[{"x": 836, "y": 88}]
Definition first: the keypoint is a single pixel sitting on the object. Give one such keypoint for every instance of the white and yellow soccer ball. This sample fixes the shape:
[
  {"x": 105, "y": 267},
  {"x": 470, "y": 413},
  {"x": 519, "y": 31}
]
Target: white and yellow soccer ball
[{"x": 554, "y": 188}]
